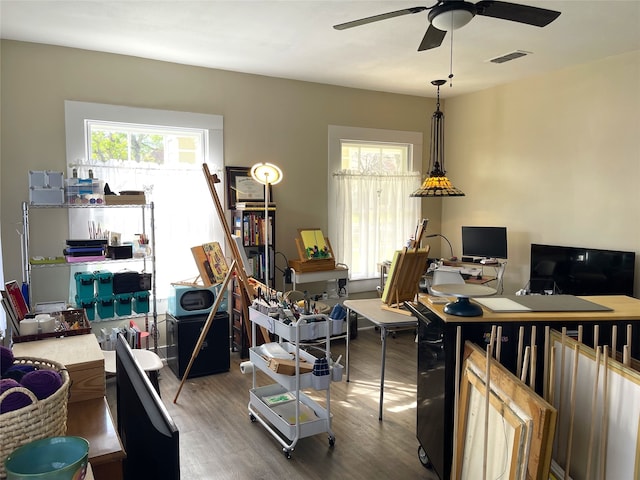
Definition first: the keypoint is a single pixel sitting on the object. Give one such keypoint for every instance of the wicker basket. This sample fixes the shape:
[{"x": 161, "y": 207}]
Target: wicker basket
[{"x": 43, "y": 418}]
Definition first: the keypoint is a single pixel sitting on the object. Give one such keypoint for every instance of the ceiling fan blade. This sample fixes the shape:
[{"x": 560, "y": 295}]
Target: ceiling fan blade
[
  {"x": 538, "y": 17},
  {"x": 432, "y": 38},
  {"x": 377, "y": 18}
]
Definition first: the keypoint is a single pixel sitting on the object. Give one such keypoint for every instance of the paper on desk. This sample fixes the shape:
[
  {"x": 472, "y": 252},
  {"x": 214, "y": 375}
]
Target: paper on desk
[{"x": 499, "y": 304}]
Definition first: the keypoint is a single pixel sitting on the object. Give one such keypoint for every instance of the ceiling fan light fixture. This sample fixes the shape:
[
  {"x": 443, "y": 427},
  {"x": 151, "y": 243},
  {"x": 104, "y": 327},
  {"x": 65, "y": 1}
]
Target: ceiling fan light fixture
[{"x": 451, "y": 16}]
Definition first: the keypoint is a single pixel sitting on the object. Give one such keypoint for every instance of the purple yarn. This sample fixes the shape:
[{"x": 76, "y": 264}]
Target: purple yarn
[
  {"x": 13, "y": 401},
  {"x": 18, "y": 371},
  {"x": 6, "y": 359},
  {"x": 42, "y": 383}
]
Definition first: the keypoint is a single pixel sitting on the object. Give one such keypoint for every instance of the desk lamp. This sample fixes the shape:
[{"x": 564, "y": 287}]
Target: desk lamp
[{"x": 266, "y": 174}]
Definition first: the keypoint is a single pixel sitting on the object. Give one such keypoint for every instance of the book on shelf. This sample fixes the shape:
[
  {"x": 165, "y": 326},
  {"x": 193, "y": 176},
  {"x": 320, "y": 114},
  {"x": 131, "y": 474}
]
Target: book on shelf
[
  {"x": 17, "y": 300},
  {"x": 10, "y": 313},
  {"x": 254, "y": 206}
]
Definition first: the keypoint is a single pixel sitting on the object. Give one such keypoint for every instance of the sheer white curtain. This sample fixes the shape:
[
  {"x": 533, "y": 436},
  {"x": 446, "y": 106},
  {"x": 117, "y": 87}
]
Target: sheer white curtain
[{"x": 376, "y": 217}]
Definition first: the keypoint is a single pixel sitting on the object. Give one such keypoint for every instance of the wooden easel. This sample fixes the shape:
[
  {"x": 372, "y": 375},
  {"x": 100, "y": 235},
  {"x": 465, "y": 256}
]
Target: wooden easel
[
  {"x": 248, "y": 293},
  {"x": 408, "y": 265}
]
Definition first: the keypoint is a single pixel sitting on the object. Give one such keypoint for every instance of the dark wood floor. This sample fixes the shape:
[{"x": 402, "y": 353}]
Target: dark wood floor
[{"x": 218, "y": 440}]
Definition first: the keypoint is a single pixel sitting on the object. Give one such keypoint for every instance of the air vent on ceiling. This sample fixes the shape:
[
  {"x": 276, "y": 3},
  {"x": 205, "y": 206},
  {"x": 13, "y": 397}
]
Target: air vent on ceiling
[{"x": 509, "y": 56}]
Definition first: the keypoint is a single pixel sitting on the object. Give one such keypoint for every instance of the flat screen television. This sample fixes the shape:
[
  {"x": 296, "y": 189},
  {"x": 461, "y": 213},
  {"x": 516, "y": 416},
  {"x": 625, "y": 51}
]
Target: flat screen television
[
  {"x": 581, "y": 271},
  {"x": 484, "y": 242},
  {"x": 148, "y": 434}
]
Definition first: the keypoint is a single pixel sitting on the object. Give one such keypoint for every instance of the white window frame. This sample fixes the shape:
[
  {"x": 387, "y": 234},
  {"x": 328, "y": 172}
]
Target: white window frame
[
  {"x": 77, "y": 112},
  {"x": 336, "y": 134}
]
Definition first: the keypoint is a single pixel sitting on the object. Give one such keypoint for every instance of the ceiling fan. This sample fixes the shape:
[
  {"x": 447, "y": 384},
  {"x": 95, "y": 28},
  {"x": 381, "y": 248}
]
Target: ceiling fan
[{"x": 448, "y": 15}]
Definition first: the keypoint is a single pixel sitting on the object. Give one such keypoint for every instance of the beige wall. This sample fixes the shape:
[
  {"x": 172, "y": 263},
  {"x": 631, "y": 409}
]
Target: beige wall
[
  {"x": 556, "y": 159},
  {"x": 265, "y": 119}
]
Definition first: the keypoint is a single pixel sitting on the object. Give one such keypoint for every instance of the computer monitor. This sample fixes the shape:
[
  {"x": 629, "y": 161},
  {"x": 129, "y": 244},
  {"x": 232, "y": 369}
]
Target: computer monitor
[
  {"x": 148, "y": 434},
  {"x": 484, "y": 242}
]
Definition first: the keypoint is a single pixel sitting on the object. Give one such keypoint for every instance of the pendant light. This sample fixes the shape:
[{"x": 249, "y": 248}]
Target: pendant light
[{"x": 437, "y": 184}]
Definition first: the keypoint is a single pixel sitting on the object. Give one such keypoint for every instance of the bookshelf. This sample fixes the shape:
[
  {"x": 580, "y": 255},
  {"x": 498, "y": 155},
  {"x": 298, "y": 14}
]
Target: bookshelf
[{"x": 249, "y": 225}]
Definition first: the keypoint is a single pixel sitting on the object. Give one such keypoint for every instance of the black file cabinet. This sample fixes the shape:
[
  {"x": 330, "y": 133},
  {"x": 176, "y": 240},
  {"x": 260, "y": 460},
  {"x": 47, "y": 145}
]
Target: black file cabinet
[{"x": 182, "y": 336}]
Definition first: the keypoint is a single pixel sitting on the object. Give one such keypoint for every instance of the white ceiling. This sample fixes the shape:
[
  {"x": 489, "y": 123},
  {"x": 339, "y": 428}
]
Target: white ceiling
[{"x": 295, "y": 39}]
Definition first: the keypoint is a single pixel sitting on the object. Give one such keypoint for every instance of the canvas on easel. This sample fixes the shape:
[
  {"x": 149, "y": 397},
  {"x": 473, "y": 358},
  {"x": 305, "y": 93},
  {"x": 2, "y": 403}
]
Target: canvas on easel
[
  {"x": 407, "y": 267},
  {"x": 236, "y": 268}
]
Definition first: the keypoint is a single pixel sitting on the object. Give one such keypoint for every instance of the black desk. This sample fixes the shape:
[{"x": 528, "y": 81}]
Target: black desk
[{"x": 437, "y": 358}]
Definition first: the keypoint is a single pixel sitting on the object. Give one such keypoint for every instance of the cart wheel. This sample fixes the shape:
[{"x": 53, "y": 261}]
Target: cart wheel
[
  {"x": 287, "y": 453},
  {"x": 252, "y": 417},
  {"x": 424, "y": 459},
  {"x": 332, "y": 440}
]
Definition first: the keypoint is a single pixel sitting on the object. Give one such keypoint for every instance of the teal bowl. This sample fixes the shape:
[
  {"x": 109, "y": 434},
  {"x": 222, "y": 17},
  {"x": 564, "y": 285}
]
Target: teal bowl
[{"x": 53, "y": 458}]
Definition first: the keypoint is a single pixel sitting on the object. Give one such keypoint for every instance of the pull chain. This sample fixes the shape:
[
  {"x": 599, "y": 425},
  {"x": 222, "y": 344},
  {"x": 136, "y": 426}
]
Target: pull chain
[{"x": 451, "y": 55}]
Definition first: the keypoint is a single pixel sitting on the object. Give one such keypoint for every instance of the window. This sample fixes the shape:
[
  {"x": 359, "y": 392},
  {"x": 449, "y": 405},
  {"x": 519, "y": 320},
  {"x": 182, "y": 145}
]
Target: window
[
  {"x": 370, "y": 211},
  {"x": 162, "y": 153}
]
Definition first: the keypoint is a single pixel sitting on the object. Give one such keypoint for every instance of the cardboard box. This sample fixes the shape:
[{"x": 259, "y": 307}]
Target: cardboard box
[
  {"x": 81, "y": 355},
  {"x": 138, "y": 199},
  {"x": 288, "y": 367},
  {"x": 319, "y": 265}
]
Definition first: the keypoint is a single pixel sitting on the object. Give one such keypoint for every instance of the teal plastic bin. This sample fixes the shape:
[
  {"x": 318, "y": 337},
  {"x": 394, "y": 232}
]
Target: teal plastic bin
[
  {"x": 105, "y": 306},
  {"x": 84, "y": 285},
  {"x": 104, "y": 283},
  {"x": 89, "y": 305},
  {"x": 141, "y": 302},
  {"x": 123, "y": 303}
]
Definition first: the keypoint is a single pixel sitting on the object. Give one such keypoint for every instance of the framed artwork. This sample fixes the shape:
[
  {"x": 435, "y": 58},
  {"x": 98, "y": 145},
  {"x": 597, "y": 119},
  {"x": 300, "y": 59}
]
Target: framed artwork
[
  {"x": 314, "y": 244},
  {"x": 241, "y": 187}
]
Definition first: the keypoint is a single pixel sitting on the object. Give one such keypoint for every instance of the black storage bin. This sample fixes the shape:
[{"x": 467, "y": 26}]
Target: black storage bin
[
  {"x": 131, "y": 282},
  {"x": 182, "y": 336}
]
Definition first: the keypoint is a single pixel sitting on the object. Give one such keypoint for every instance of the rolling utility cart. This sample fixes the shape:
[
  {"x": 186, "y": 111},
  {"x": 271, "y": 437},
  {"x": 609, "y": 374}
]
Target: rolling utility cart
[{"x": 282, "y": 408}]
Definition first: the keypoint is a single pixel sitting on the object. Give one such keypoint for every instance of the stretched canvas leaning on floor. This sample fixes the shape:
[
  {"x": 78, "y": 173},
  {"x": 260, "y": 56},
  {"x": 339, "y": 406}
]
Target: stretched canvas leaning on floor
[
  {"x": 615, "y": 442},
  {"x": 521, "y": 425}
]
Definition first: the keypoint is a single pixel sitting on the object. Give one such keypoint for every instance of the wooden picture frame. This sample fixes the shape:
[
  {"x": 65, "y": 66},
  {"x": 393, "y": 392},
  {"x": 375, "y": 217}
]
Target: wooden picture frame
[{"x": 241, "y": 187}]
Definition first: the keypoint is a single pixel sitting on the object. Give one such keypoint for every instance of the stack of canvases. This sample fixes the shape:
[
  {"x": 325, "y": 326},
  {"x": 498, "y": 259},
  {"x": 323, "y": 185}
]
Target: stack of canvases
[
  {"x": 504, "y": 429},
  {"x": 598, "y": 401},
  {"x": 33, "y": 401}
]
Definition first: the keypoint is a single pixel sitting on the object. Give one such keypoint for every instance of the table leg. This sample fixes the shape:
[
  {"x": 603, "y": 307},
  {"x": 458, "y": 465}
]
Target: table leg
[
  {"x": 383, "y": 337},
  {"x": 346, "y": 360}
]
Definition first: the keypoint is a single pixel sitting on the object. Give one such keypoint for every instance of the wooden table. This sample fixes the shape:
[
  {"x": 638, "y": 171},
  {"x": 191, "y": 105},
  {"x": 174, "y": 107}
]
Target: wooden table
[
  {"x": 91, "y": 419},
  {"x": 88, "y": 413},
  {"x": 387, "y": 320}
]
